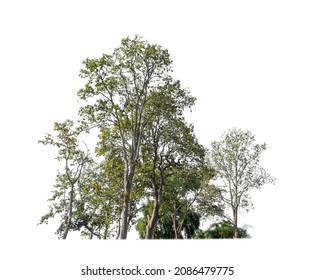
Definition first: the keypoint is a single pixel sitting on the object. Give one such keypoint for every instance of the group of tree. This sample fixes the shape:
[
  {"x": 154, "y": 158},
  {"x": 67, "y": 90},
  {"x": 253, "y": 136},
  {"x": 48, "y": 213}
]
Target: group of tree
[{"x": 147, "y": 168}]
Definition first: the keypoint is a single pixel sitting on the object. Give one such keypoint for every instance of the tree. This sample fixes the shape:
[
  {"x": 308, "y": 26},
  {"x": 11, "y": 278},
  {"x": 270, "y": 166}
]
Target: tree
[
  {"x": 96, "y": 204},
  {"x": 121, "y": 87},
  {"x": 113, "y": 171},
  {"x": 169, "y": 145},
  {"x": 181, "y": 195},
  {"x": 221, "y": 230},
  {"x": 236, "y": 160},
  {"x": 75, "y": 161},
  {"x": 87, "y": 194},
  {"x": 176, "y": 215}
]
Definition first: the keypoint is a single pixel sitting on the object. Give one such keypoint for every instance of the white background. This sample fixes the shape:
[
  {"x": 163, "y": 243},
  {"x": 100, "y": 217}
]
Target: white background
[{"x": 251, "y": 64}]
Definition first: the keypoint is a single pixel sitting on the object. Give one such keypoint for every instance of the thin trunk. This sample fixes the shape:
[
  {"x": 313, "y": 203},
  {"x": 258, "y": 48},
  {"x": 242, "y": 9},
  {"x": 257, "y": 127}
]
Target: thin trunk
[
  {"x": 68, "y": 218},
  {"x": 118, "y": 231},
  {"x": 174, "y": 223},
  {"x": 180, "y": 226},
  {"x": 152, "y": 222},
  {"x": 125, "y": 209},
  {"x": 175, "y": 228},
  {"x": 155, "y": 213},
  {"x": 67, "y": 227},
  {"x": 235, "y": 217},
  {"x": 106, "y": 232}
]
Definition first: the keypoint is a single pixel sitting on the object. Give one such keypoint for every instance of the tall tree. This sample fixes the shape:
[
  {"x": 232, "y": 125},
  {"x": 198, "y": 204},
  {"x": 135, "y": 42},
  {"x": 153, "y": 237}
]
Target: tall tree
[
  {"x": 109, "y": 149},
  {"x": 120, "y": 87},
  {"x": 236, "y": 160},
  {"x": 75, "y": 161}
]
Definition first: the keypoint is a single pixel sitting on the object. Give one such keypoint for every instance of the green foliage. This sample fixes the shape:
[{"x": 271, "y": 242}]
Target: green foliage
[
  {"x": 178, "y": 217},
  {"x": 81, "y": 197},
  {"x": 97, "y": 206},
  {"x": 127, "y": 83},
  {"x": 236, "y": 160},
  {"x": 221, "y": 230},
  {"x": 164, "y": 228}
]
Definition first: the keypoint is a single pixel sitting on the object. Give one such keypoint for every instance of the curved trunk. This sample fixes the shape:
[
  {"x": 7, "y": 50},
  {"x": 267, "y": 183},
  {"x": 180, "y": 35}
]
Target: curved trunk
[
  {"x": 155, "y": 213},
  {"x": 151, "y": 223}
]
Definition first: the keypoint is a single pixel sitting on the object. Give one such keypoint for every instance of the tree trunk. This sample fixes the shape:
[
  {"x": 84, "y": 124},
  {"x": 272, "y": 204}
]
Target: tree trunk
[
  {"x": 66, "y": 227},
  {"x": 125, "y": 208},
  {"x": 175, "y": 228},
  {"x": 155, "y": 213},
  {"x": 68, "y": 218},
  {"x": 174, "y": 222},
  {"x": 151, "y": 224},
  {"x": 118, "y": 230},
  {"x": 235, "y": 222},
  {"x": 124, "y": 214}
]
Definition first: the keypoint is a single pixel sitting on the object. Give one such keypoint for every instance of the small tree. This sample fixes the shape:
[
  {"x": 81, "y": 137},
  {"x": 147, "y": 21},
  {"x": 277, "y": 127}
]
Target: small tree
[
  {"x": 67, "y": 181},
  {"x": 221, "y": 230},
  {"x": 236, "y": 161}
]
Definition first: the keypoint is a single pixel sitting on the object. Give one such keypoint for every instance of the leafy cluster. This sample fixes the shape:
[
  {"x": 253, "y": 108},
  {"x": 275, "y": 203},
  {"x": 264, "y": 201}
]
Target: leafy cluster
[{"x": 221, "y": 230}]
